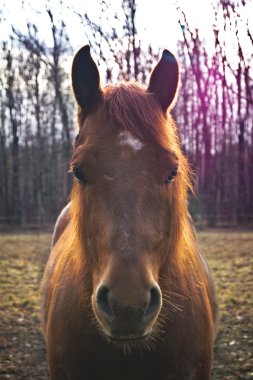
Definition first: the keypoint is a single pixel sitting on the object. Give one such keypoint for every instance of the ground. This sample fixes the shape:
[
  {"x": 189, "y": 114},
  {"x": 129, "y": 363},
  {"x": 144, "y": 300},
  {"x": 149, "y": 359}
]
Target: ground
[{"x": 23, "y": 256}]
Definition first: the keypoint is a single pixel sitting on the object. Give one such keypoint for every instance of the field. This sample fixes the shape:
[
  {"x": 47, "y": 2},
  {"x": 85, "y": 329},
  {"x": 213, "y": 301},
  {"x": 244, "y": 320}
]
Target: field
[{"x": 23, "y": 256}]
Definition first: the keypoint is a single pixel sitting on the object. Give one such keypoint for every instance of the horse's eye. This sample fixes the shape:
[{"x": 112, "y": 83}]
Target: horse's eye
[
  {"x": 80, "y": 175},
  {"x": 172, "y": 176}
]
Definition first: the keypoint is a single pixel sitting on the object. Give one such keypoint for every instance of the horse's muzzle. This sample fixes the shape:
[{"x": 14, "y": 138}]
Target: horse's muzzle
[{"x": 127, "y": 320}]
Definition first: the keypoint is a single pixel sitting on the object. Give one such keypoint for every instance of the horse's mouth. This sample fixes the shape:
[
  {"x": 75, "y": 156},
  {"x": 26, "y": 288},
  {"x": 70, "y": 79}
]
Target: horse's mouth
[
  {"x": 128, "y": 344},
  {"x": 127, "y": 339}
]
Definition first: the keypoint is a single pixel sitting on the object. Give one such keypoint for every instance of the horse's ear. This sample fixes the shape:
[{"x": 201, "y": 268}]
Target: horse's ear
[
  {"x": 85, "y": 79},
  {"x": 164, "y": 80}
]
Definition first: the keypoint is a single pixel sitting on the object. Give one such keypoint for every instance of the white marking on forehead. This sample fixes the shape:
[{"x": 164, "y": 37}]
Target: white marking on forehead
[{"x": 125, "y": 138}]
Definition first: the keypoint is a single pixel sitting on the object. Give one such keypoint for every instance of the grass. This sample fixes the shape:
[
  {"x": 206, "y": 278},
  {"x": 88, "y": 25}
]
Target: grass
[
  {"x": 230, "y": 256},
  {"x": 23, "y": 256},
  {"x": 22, "y": 349}
]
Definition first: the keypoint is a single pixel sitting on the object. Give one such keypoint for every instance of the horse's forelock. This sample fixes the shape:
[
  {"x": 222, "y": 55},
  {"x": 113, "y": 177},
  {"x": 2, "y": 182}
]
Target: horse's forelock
[{"x": 135, "y": 110}]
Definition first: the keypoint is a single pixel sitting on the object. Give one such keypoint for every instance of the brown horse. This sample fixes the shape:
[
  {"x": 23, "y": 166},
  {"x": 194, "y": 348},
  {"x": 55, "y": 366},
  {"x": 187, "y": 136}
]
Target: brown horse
[{"x": 126, "y": 293}]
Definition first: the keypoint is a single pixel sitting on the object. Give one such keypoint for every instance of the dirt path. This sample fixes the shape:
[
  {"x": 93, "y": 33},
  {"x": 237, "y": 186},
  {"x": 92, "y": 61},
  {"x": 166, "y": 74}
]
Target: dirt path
[{"x": 22, "y": 351}]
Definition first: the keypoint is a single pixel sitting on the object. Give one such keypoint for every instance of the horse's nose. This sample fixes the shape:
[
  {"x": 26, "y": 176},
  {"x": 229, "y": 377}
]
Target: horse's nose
[
  {"x": 134, "y": 316},
  {"x": 103, "y": 302},
  {"x": 154, "y": 304}
]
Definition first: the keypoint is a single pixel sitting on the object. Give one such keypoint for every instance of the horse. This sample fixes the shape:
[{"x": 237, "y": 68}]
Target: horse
[{"x": 126, "y": 294}]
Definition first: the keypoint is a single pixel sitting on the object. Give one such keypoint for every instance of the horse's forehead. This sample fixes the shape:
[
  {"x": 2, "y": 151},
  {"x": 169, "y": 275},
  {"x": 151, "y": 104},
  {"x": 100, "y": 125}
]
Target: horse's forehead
[
  {"x": 126, "y": 139},
  {"x": 106, "y": 133}
]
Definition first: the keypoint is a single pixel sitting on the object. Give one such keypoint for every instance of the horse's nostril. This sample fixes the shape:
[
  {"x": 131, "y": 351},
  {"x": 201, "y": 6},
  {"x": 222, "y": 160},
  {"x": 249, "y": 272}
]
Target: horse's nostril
[
  {"x": 154, "y": 305},
  {"x": 102, "y": 300}
]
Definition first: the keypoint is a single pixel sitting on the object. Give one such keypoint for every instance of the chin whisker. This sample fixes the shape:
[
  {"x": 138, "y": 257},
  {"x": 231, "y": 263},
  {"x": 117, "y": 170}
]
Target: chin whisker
[{"x": 148, "y": 343}]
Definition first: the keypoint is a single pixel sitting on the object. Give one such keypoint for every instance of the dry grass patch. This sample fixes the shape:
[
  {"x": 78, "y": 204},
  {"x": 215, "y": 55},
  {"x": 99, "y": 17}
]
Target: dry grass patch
[{"x": 23, "y": 256}]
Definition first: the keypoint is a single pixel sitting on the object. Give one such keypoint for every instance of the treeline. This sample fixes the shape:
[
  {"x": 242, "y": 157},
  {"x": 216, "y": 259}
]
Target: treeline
[
  {"x": 214, "y": 110},
  {"x": 37, "y": 125},
  {"x": 215, "y": 113}
]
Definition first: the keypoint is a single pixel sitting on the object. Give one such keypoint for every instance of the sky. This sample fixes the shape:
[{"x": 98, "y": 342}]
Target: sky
[{"x": 157, "y": 23}]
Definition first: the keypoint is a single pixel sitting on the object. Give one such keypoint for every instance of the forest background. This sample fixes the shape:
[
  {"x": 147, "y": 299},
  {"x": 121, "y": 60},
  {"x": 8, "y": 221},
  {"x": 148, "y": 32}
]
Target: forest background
[{"x": 214, "y": 110}]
